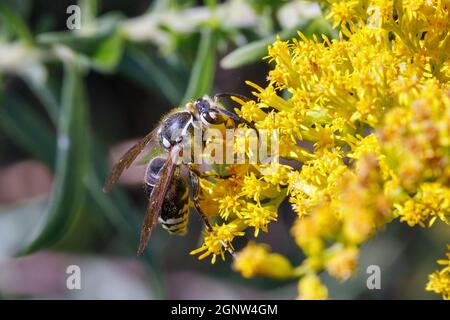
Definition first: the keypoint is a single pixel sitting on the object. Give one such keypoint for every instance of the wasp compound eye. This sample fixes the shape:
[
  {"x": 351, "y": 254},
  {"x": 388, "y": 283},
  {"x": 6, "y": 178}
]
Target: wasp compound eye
[
  {"x": 211, "y": 117},
  {"x": 202, "y": 104}
]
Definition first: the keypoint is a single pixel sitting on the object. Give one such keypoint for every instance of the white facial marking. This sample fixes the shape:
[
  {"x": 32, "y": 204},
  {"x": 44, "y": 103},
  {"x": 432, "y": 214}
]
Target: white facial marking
[
  {"x": 166, "y": 143},
  {"x": 206, "y": 123}
]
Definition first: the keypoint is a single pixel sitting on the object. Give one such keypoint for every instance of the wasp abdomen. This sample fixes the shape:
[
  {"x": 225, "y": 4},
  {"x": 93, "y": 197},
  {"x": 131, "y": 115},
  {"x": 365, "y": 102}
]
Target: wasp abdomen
[{"x": 175, "y": 208}]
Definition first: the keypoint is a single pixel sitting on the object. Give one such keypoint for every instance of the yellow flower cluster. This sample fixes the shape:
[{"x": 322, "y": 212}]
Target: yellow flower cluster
[
  {"x": 439, "y": 281},
  {"x": 367, "y": 119},
  {"x": 256, "y": 259},
  {"x": 310, "y": 288}
]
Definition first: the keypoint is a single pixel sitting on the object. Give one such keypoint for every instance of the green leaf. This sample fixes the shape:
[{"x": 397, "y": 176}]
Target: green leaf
[
  {"x": 253, "y": 51},
  {"x": 202, "y": 74},
  {"x": 256, "y": 50},
  {"x": 151, "y": 73},
  {"x": 104, "y": 26},
  {"x": 108, "y": 53},
  {"x": 116, "y": 206},
  {"x": 27, "y": 128},
  {"x": 103, "y": 47},
  {"x": 68, "y": 194},
  {"x": 15, "y": 23},
  {"x": 46, "y": 96},
  {"x": 22, "y": 7},
  {"x": 89, "y": 9}
]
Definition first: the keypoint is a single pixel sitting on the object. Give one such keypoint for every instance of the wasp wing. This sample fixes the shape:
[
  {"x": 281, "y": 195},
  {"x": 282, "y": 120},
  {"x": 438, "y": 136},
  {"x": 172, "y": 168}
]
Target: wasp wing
[
  {"x": 157, "y": 198},
  {"x": 126, "y": 160}
]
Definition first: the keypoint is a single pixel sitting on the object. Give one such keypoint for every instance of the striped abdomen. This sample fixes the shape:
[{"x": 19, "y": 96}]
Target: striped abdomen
[{"x": 175, "y": 209}]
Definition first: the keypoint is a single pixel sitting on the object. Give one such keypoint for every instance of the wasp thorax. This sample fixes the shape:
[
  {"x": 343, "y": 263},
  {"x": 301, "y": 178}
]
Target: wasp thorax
[
  {"x": 154, "y": 170},
  {"x": 175, "y": 129}
]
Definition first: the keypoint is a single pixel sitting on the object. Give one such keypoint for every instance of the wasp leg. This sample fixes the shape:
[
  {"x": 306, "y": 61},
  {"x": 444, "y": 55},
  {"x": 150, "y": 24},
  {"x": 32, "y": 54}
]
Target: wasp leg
[
  {"x": 195, "y": 195},
  {"x": 208, "y": 174},
  {"x": 238, "y": 120},
  {"x": 232, "y": 115},
  {"x": 242, "y": 97}
]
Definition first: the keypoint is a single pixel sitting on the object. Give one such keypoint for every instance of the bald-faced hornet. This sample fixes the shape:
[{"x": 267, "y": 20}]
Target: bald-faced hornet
[{"x": 169, "y": 200}]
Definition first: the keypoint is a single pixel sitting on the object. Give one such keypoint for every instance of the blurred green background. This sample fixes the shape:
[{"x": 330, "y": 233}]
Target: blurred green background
[{"x": 71, "y": 101}]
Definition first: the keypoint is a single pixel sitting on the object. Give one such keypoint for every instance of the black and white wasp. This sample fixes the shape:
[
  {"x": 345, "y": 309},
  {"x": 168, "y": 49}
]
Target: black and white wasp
[{"x": 169, "y": 201}]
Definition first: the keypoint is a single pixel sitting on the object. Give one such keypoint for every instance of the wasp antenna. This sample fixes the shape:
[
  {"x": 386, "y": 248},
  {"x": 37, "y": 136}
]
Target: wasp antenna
[{"x": 229, "y": 95}]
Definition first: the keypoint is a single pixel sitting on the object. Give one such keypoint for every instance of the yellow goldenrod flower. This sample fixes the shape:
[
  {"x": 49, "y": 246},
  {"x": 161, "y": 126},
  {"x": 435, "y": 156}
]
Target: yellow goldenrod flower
[
  {"x": 431, "y": 202},
  {"x": 256, "y": 188},
  {"x": 214, "y": 242},
  {"x": 341, "y": 263},
  {"x": 257, "y": 260},
  {"x": 229, "y": 205},
  {"x": 439, "y": 281},
  {"x": 310, "y": 288},
  {"x": 257, "y": 216},
  {"x": 307, "y": 236},
  {"x": 366, "y": 118},
  {"x": 276, "y": 174},
  {"x": 250, "y": 110}
]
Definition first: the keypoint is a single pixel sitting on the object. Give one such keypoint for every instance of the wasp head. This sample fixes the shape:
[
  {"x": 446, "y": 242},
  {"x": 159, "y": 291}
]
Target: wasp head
[{"x": 207, "y": 111}]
